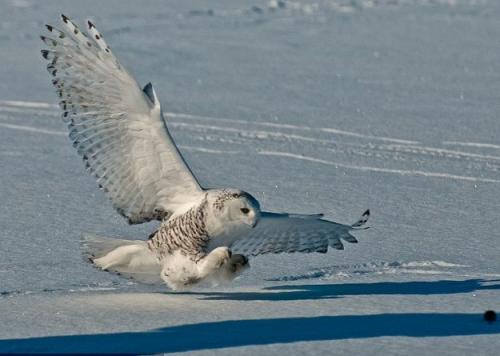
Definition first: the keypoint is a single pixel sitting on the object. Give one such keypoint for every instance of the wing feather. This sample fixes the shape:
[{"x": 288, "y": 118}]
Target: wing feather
[
  {"x": 277, "y": 233},
  {"x": 116, "y": 127}
]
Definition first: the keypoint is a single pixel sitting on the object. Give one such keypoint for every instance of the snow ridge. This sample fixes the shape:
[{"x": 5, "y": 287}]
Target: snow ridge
[
  {"x": 212, "y": 135},
  {"x": 376, "y": 268}
]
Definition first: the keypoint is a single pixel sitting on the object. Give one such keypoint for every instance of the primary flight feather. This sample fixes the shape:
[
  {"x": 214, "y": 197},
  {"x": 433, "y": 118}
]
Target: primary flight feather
[{"x": 121, "y": 134}]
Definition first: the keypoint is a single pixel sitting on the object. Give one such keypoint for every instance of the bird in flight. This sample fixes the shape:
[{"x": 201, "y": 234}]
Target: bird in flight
[{"x": 120, "y": 132}]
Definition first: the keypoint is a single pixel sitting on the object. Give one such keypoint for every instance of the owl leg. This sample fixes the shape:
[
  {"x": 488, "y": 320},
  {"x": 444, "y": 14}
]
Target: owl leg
[
  {"x": 229, "y": 271},
  {"x": 180, "y": 272},
  {"x": 220, "y": 265},
  {"x": 214, "y": 261}
]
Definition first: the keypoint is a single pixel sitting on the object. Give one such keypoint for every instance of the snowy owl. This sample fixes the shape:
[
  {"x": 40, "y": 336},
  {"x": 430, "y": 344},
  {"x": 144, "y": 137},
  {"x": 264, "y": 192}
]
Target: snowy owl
[{"x": 121, "y": 134}]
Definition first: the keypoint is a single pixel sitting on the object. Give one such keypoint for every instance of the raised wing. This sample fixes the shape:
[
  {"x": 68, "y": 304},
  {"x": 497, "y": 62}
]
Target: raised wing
[
  {"x": 116, "y": 127},
  {"x": 277, "y": 233}
]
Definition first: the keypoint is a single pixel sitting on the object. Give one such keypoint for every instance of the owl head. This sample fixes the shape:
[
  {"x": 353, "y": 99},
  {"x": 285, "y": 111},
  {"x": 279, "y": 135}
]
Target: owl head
[{"x": 231, "y": 209}]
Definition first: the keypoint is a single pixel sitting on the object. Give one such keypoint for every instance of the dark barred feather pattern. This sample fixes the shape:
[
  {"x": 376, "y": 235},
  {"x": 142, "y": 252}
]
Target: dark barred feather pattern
[
  {"x": 227, "y": 194},
  {"x": 185, "y": 233}
]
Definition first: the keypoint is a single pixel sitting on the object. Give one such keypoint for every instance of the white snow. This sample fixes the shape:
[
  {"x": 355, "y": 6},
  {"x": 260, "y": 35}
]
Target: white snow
[
  {"x": 375, "y": 169},
  {"x": 324, "y": 106}
]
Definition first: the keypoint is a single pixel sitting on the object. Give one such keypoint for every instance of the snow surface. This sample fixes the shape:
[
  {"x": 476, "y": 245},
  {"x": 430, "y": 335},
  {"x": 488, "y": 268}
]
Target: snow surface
[{"x": 326, "y": 106}]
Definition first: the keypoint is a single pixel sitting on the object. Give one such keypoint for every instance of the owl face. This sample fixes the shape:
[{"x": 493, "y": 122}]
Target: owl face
[
  {"x": 242, "y": 209},
  {"x": 234, "y": 209}
]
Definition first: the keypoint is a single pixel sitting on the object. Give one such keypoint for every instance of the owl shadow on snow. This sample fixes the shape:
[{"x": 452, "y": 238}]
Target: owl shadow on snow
[
  {"x": 251, "y": 332},
  {"x": 330, "y": 291}
]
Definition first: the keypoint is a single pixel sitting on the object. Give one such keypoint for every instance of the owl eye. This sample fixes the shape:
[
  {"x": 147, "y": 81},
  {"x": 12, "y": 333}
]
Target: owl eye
[{"x": 245, "y": 210}]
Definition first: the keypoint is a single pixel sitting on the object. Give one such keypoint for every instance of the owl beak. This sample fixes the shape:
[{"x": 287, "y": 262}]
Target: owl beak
[
  {"x": 255, "y": 220},
  {"x": 252, "y": 219}
]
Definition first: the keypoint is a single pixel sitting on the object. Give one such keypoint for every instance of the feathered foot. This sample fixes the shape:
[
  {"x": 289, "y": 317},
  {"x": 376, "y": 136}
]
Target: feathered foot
[
  {"x": 229, "y": 271},
  {"x": 180, "y": 272},
  {"x": 219, "y": 266},
  {"x": 216, "y": 259}
]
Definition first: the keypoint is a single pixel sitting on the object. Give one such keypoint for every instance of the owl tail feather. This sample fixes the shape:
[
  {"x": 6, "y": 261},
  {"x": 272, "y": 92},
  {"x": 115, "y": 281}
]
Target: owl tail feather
[{"x": 128, "y": 258}]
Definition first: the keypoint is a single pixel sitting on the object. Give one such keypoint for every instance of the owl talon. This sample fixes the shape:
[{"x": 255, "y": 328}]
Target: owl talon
[{"x": 237, "y": 264}]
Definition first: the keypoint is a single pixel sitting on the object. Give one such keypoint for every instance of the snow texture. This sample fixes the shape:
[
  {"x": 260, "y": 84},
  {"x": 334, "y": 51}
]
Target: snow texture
[{"x": 311, "y": 106}]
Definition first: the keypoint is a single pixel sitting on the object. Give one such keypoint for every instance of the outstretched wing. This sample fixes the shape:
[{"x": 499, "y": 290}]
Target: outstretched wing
[
  {"x": 276, "y": 233},
  {"x": 116, "y": 127}
]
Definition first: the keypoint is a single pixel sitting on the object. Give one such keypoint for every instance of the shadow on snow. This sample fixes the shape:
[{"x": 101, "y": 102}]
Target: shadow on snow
[
  {"x": 329, "y": 291},
  {"x": 233, "y": 333}
]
